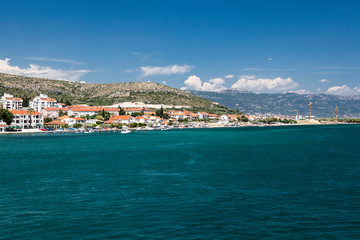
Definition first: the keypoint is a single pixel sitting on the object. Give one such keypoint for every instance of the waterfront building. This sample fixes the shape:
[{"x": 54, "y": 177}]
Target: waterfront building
[
  {"x": 53, "y": 112},
  {"x": 224, "y": 118},
  {"x": 41, "y": 102},
  {"x": 10, "y": 102},
  {"x": 203, "y": 115},
  {"x": 22, "y": 119},
  {"x": 124, "y": 119},
  {"x": 82, "y": 111},
  {"x": 71, "y": 120},
  {"x": 134, "y": 110},
  {"x": 141, "y": 119},
  {"x": 212, "y": 116}
]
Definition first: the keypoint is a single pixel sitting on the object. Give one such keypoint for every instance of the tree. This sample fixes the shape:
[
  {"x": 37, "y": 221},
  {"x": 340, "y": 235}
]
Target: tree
[
  {"x": 30, "y": 111},
  {"x": 121, "y": 111},
  {"x": 46, "y": 120},
  {"x": 99, "y": 117},
  {"x": 135, "y": 114},
  {"x": 133, "y": 125},
  {"x": 77, "y": 125},
  {"x": 243, "y": 118},
  {"x": 61, "y": 113},
  {"x": 105, "y": 115},
  {"x": 160, "y": 113},
  {"x": 6, "y": 116},
  {"x": 25, "y": 101},
  {"x": 67, "y": 103}
]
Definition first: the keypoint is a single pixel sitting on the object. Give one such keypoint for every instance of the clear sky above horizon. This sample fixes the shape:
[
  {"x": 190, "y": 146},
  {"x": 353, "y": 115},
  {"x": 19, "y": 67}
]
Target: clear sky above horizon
[{"x": 262, "y": 46}]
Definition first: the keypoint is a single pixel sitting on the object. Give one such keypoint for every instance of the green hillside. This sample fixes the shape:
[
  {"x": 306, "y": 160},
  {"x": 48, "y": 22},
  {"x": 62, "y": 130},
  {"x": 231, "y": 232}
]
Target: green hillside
[{"x": 105, "y": 94}]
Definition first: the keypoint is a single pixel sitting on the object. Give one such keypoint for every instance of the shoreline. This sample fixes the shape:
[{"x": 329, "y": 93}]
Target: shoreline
[{"x": 181, "y": 128}]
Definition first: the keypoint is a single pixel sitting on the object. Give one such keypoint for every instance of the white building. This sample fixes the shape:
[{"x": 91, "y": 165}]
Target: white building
[
  {"x": 203, "y": 115},
  {"x": 22, "y": 119},
  {"x": 224, "y": 118},
  {"x": 124, "y": 119},
  {"x": 71, "y": 120},
  {"x": 10, "y": 102},
  {"x": 41, "y": 102},
  {"x": 53, "y": 112}
]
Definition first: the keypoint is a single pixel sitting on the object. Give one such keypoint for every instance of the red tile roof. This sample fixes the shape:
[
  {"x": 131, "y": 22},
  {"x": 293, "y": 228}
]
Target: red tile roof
[
  {"x": 23, "y": 112},
  {"x": 121, "y": 117},
  {"x": 54, "y": 123},
  {"x": 14, "y": 98},
  {"x": 78, "y": 119},
  {"x": 56, "y": 109}
]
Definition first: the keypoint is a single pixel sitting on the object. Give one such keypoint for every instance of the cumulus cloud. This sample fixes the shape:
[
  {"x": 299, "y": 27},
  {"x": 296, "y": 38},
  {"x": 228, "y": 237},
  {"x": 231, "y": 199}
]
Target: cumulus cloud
[
  {"x": 229, "y": 76},
  {"x": 343, "y": 90},
  {"x": 167, "y": 70},
  {"x": 323, "y": 80},
  {"x": 194, "y": 83},
  {"x": 265, "y": 84},
  {"x": 41, "y": 71},
  {"x": 269, "y": 59},
  {"x": 215, "y": 84}
]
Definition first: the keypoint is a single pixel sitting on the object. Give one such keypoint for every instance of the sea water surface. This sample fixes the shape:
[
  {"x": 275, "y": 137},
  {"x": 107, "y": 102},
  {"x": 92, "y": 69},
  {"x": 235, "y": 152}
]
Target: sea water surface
[{"x": 300, "y": 182}]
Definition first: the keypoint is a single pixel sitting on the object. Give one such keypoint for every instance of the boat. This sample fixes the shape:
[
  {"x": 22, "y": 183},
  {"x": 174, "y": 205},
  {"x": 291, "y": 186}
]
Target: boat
[{"x": 125, "y": 131}]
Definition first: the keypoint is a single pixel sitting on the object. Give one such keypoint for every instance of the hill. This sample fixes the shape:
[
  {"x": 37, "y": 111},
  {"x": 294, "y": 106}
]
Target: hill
[
  {"x": 105, "y": 94},
  {"x": 284, "y": 103}
]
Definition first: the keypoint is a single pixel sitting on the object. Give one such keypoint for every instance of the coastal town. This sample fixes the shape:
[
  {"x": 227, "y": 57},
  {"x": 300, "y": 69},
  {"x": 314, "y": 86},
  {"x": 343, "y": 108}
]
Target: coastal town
[{"x": 45, "y": 113}]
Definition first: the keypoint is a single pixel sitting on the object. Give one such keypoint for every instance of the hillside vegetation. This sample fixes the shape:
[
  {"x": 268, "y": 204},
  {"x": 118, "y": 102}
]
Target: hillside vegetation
[{"x": 105, "y": 94}]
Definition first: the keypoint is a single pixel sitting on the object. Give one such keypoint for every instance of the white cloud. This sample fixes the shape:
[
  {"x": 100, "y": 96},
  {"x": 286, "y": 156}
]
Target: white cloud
[
  {"x": 194, "y": 83},
  {"x": 41, "y": 71},
  {"x": 269, "y": 59},
  {"x": 300, "y": 91},
  {"x": 229, "y": 76},
  {"x": 164, "y": 82},
  {"x": 343, "y": 90},
  {"x": 215, "y": 84},
  {"x": 323, "y": 80},
  {"x": 167, "y": 70},
  {"x": 47, "y": 59},
  {"x": 265, "y": 84}
]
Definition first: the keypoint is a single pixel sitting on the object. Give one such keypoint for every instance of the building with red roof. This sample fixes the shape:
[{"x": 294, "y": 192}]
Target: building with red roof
[
  {"x": 23, "y": 119},
  {"x": 41, "y": 102},
  {"x": 10, "y": 102}
]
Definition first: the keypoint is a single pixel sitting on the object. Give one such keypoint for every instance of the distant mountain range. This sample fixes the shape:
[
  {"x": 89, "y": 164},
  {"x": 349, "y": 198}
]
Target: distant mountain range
[{"x": 285, "y": 103}]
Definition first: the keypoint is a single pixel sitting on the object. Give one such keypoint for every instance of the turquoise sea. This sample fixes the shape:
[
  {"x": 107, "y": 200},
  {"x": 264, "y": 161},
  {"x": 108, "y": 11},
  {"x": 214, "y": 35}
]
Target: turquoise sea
[{"x": 294, "y": 182}]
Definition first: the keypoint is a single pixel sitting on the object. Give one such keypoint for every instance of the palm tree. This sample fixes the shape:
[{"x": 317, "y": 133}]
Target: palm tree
[{"x": 30, "y": 111}]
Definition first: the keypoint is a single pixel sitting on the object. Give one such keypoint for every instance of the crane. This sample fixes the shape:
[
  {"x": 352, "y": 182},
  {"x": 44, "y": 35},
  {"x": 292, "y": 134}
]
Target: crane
[
  {"x": 297, "y": 114},
  {"x": 336, "y": 112},
  {"x": 310, "y": 103}
]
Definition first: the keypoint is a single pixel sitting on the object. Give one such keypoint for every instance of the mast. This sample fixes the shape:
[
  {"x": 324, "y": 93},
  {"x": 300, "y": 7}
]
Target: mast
[
  {"x": 310, "y": 103},
  {"x": 336, "y": 112}
]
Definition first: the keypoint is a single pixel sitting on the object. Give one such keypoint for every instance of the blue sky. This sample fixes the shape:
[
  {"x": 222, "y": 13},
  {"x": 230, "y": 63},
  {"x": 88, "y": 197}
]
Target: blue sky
[{"x": 263, "y": 46}]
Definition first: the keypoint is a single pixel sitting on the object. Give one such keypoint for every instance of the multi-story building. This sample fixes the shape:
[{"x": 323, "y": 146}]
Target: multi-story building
[
  {"x": 41, "y": 102},
  {"x": 82, "y": 111},
  {"x": 53, "y": 112},
  {"x": 22, "y": 119},
  {"x": 10, "y": 102}
]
